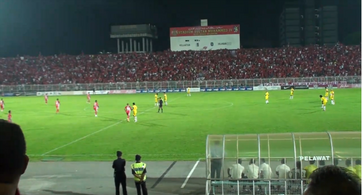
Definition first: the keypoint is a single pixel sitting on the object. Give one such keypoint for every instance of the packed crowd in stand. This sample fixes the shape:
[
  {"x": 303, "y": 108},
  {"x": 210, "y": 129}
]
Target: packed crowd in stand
[{"x": 310, "y": 61}]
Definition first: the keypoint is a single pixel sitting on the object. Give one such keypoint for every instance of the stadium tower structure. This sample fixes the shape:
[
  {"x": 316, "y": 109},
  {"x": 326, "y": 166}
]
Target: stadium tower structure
[
  {"x": 130, "y": 37},
  {"x": 309, "y": 22}
]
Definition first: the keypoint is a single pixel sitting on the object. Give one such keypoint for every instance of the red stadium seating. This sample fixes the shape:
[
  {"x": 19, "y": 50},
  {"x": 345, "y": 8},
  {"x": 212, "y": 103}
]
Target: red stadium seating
[{"x": 310, "y": 61}]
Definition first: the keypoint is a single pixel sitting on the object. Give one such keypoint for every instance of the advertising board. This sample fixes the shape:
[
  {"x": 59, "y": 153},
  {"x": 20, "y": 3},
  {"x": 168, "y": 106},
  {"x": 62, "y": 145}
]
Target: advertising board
[
  {"x": 295, "y": 87},
  {"x": 67, "y": 92},
  {"x": 95, "y": 92},
  {"x": 8, "y": 94},
  {"x": 78, "y": 92},
  {"x": 122, "y": 91},
  {"x": 194, "y": 89},
  {"x": 356, "y": 85},
  {"x": 305, "y": 83},
  {"x": 50, "y": 93},
  {"x": 202, "y": 38},
  {"x": 24, "y": 94},
  {"x": 29, "y": 94},
  {"x": 57, "y": 93},
  {"x": 261, "y": 88},
  {"x": 227, "y": 89},
  {"x": 349, "y": 86}
]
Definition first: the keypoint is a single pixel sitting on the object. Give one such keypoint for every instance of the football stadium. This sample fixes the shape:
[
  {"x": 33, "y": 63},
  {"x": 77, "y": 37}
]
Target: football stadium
[
  {"x": 179, "y": 140},
  {"x": 207, "y": 116}
]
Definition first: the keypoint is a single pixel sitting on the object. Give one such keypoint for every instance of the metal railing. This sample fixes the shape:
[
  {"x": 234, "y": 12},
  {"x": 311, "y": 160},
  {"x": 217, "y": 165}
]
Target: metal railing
[{"x": 176, "y": 84}]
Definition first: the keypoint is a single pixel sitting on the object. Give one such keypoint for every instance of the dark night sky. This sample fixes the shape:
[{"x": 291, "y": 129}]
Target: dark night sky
[{"x": 71, "y": 26}]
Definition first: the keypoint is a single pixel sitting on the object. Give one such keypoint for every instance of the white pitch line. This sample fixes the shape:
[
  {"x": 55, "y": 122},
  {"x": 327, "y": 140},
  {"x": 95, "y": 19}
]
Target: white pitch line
[
  {"x": 77, "y": 140},
  {"x": 188, "y": 177},
  {"x": 105, "y": 128}
]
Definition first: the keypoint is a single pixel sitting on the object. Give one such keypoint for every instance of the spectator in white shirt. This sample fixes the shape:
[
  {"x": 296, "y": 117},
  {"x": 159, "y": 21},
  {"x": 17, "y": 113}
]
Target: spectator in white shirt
[
  {"x": 265, "y": 170},
  {"x": 236, "y": 170},
  {"x": 252, "y": 173},
  {"x": 282, "y": 170},
  {"x": 252, "y": 170}
]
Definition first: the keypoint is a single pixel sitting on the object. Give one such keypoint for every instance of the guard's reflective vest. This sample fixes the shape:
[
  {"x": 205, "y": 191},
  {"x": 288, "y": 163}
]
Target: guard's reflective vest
[{"x": 138, "y": 168}]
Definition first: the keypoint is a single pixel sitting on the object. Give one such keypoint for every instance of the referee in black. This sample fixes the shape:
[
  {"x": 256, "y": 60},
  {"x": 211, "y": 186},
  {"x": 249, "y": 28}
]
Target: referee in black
[
  {"x": 160, "y": 103},
  {"x": 119, "y": 173}
]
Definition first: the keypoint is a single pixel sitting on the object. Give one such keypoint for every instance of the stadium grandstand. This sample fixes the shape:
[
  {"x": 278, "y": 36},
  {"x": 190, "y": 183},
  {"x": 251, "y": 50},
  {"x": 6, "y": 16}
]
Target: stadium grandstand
[{"x": 312, "y": 61}]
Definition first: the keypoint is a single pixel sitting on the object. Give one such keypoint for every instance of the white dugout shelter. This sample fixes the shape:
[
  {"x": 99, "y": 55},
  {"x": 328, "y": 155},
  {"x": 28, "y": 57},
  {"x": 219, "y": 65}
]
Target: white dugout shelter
[{"x": 324, "y": 148}]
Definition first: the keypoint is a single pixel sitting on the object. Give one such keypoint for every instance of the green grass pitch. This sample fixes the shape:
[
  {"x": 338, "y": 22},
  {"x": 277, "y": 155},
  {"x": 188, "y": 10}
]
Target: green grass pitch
[{"x": 180, "y": 132}]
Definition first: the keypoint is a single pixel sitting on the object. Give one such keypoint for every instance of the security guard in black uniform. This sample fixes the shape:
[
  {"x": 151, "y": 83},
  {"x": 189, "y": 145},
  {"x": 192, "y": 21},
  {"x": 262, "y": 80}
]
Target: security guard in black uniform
[
  {"x": 119, "y": 173},
  {"x": 139, "y": 172}
]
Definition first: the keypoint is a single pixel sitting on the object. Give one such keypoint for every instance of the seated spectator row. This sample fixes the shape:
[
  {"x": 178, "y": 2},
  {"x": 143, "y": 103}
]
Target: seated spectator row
[
  {"x": 310, "y": 61},
  {"x": 282, "y": 171},
  {"x": 263, "y": 179}
]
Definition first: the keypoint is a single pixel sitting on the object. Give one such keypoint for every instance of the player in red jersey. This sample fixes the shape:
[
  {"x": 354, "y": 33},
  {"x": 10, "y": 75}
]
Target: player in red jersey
[
  {"x": 88, "y": 97},
  {"x": 46, "y": 98},
  {"x": 57, "y": 105},
  {"x": 95, "y": 107},
  {"x": 127, "y": 109},
  {"x": 2, "y": 105},
  {"x": 9, "y": 117}
]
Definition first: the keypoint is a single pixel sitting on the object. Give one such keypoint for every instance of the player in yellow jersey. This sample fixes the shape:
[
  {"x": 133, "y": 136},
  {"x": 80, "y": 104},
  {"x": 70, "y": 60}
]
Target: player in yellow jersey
[
  {"x": 324, "y": 102},
  {"x": 267, "y": 97},
  {"x": 134, "y": 109},
  {"x": 165, "y": 98},
  {"x": 308, "y": 170},
  {"x": 332, "y": 97},
  {"x": 292, "y": 93},
  {"x": 156, "y": 99},
  {"x": 326, "y": 95},
  {"x": 357, "y": 167},
  {"x": 188, "y": 91}
]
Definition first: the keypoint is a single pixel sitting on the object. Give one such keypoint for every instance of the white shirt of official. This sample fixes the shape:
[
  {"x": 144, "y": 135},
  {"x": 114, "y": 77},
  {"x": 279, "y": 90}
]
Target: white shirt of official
[
  {"x": 266, "y": 170},
  {"x": 283, "y": 170},
  {"x": 236, "y": 171},
  {"x": 252, "y": 171}
]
